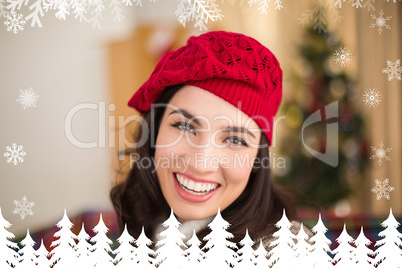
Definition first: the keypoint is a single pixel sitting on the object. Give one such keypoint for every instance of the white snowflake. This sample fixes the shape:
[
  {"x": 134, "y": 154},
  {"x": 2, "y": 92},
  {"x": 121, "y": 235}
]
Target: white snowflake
[
  {"x": 370, "y": 5},
  {"x": 394, "y": 70},
  {"x": 343, "y": 56},
  {"x": 15, "y": 154},
  {"x": 14, "y": 22},
  {"x": 381, "y": 153},
  {"x": 23, "y": 207},
  {"x": 372, "y": 97},
  {"x": 117, "y": 10},
  {"x": 90, "y": 11},
  {"x": 27, "y": 98},
  {"x": 380, "y": 22},
  {"x": 357, "y": 4},
  {"x": 318, "y": 15},
  {"x": 199, "y": 11},
  {"x": 382, "y": 189},
  {"x": 263, "y": 5},
  {"x": 36, "y": 13}
]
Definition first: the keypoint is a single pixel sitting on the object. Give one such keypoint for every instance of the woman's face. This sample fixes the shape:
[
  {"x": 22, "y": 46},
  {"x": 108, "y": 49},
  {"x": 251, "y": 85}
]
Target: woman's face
[{"x": 205, "y": 150}]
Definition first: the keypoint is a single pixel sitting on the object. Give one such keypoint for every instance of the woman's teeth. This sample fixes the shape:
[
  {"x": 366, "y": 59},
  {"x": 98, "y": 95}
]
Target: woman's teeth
[{"x": 196, "y": 188}]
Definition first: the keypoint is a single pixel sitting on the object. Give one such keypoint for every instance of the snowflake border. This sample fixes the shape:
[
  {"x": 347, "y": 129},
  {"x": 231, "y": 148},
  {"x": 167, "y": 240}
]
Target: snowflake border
[
  {"x": 14, "y": 22},
  {"x": 380, "y": 22},
  {"x": 372, "y": 97},
  {"x": 381, "y": 153},
  {"x": 394, "y": 70},
  {"x": 23, "y": 207},
  {"x": 342, "y": 56},
  {"x": 27, "y": 98},
  {"x": 15, "y": 154},
  {"x": 382, "y": 189}
]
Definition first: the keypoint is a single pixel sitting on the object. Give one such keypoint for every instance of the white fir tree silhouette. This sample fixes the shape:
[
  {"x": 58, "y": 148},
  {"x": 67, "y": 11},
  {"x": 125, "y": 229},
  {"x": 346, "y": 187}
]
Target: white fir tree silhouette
[
  {"x": 143, "y": 254},
  {"x": 345, "y": 251},
  {"x": 83, "y": 249},
  {"x": 303, "y": 248},
  {"x": 170, "y": 251},
  {"x": 246, "y": 253},
  {"x": 27, "y": 252},
  {"x": 321, "y": 248},
  {"x": 282, "y": 253},
  {"x": 194, "y": 254},
  {"x": 7, "y": 253},
  {"x": 100, "y": 254},
  {"x": 389, "y": 253},
  {"x": 124, "y": 253},
  {"x": 261, "y": 255},
  {"x": 63, "y": 254},
  {"x": 220, "y": 251},
  {"x": 362, "y": 252},
  {"x": 41, "y": 254}
]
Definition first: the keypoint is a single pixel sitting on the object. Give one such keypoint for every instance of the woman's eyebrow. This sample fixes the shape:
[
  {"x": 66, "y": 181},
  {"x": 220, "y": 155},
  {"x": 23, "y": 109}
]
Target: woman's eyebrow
[
  {"x": 238, "y": 129},
  {"x": 187, "y": 115},
  {"x": 191, "y": 117}
]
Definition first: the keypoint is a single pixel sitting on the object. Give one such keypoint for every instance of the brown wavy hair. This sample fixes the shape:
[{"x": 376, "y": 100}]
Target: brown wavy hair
[{"x": 139, "y": 201}]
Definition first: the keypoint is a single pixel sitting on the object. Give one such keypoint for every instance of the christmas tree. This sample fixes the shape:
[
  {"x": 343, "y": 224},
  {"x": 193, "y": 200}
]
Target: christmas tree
[
  {"x": 261, "y": 256},
  {"x": 321, "y": 248},
  {"x": 389, "y": 253},
  {"x": 8, "y": 254},
  {"x": 83, "y": 249},
  {"x": 362, "y": 252},
  {"x": 282, "y": 253},
  {"x": 323, "y": 142},
  {"x": 194, "y": 254},
  {"x": 125, "y": 251},
  {"x": 143, "y": 254},
  {"x": 303, "y": 248},
  {"x": 27, "y": 252},
  {"x": 63, "y": 253},
  {"x": 102, "y": 246},
  {"x": 247, "y": 257},
  {"x": 41, "y": 255},
  {"x": 220, "y": 251},
  {"x": 345, "y": 251},
  {"x": 170, "y": 251}
]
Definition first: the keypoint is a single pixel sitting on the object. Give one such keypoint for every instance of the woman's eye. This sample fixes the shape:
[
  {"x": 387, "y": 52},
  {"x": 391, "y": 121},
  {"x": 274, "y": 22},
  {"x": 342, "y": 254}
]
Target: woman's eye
[
  {"x": 184, "y": 126},
  {"x": 237, "y": 141}
]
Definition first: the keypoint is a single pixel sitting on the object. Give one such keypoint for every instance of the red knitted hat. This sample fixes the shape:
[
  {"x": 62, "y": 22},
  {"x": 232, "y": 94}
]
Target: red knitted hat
[{"x": 234, "y": 67}]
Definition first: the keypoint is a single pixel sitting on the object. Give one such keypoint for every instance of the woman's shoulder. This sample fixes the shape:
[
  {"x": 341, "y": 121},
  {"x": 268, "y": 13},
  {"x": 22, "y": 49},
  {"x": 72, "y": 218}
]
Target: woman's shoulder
[{"x": 294, "y": 229}]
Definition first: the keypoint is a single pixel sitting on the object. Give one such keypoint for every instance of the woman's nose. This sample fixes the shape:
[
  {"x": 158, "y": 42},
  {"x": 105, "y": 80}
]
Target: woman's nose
[{"x": 206, "y": 156}]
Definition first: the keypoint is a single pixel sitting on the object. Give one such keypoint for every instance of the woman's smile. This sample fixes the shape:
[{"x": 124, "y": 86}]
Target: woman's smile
[
  {"x": 194, "y": 186},
  {"x": 195, "y": 191}
]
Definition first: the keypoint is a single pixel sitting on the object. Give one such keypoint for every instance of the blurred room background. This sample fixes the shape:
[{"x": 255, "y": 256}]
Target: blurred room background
[{"x": 69, "y": 63}]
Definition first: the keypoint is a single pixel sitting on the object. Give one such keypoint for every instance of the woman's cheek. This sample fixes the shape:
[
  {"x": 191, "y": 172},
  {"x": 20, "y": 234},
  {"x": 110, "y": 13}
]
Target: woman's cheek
[
  {"x": 237, "y": 177},
  {"x": 241, "y": 162}
]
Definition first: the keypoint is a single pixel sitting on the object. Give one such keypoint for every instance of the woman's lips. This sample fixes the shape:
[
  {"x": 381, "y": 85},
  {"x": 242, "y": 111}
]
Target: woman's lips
[{"x": 194, "y": 191}]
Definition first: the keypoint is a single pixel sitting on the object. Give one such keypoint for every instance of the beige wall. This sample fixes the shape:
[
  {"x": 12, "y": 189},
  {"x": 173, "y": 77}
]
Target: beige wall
[{"x": 66, "y": 63}]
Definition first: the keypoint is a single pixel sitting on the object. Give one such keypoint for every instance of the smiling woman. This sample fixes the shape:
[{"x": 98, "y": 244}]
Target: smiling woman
[
  {"x": 197, "y": 192},
  {"x": 208, "y": 112}
]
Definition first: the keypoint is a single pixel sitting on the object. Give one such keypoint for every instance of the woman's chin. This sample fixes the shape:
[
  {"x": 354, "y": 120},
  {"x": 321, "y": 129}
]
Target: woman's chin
[{"x": 183, "y": 216}]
